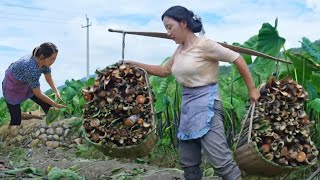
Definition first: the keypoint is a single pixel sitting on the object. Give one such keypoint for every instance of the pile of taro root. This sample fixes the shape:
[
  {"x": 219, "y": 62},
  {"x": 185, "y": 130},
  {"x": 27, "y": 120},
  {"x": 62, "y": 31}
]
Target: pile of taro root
[
  {"x": 281, "y": 129},
  {"x": 119, "y": 108}
]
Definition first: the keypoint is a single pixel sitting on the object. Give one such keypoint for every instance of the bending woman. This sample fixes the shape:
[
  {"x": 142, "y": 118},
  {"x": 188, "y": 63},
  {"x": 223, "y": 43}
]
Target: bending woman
[{"x": 21, "y": 81}]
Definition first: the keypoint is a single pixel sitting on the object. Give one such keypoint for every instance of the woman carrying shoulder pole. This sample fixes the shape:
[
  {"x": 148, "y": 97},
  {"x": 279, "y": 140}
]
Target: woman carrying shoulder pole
[{"x": 195, "y": 65}]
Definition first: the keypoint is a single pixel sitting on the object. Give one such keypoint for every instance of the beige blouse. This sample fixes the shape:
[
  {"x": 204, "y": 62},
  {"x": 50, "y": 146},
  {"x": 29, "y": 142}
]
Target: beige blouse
[{"x": 198, "y": 65}]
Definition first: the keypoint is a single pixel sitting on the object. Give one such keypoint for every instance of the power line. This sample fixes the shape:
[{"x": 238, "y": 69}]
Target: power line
[
  {"x": 38, "y": 20},
  {"x": 34, "y": 16},
  {"x": 21, "y": 6},
  {"x": 40, "y": 9}
]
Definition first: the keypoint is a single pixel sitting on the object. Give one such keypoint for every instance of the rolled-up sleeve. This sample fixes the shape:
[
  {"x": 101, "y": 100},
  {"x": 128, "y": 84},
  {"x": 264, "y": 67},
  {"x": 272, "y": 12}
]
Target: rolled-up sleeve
[
  {"x": 167, "y": 66},
  {"x": 46, "y": 70},
  {"x": 216, "y": 52}
]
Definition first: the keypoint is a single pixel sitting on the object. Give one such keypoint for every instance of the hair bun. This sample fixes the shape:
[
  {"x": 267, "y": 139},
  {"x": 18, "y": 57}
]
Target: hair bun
[
  {"x": 191, "y": 13},
  {"x": 180, "y": 13}
]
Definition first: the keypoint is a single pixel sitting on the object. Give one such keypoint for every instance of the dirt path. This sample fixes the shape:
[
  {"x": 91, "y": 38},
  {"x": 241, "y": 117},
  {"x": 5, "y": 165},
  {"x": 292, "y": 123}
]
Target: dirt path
[
  {"x": 43, "y": 158},
  {"x": 65, "y": 158},
  {"x": 99, "y": 169},
  {"x": 108, "y": 169}
]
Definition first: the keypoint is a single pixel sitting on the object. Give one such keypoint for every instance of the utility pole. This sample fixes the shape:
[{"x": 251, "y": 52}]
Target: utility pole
[{"x": 87, "y": 26}]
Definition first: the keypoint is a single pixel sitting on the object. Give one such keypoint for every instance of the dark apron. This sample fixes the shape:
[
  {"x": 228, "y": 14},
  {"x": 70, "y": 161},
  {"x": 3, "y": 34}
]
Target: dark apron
[{"x": 15, "y": 91}]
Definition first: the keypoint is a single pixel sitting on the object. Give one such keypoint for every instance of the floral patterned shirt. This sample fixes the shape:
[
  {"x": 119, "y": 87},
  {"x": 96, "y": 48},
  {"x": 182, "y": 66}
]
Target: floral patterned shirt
[
  {"x": 21, "y": 78},
  {"x": 26, "y": 70}
]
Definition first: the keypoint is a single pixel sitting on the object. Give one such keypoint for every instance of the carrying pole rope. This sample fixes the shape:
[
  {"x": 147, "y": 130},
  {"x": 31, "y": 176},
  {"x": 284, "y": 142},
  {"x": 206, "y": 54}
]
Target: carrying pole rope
[
  {"x": 276, "y": 72},
  {"x": 123, "y": 44}
]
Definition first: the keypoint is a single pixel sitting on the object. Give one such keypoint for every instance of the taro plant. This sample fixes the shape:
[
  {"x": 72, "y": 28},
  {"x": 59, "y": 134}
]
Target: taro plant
[
  {"x": 306, "y": 70},
  {"x": 71, "y": 94},
  {"x": 234, "y": 94},
  {"x": 167, "y": 106},
  {"x": 4, "y": 113}
]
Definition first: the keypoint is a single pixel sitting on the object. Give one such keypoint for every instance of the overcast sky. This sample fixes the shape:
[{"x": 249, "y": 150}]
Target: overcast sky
[{"x": 28, "y": 23}]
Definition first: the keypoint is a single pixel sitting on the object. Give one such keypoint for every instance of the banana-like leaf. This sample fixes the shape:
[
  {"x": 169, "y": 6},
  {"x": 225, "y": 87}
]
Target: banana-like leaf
[
  {"x": 81, "y": 102},
  {"x": 311, "y": 65},
  {"x": 315, "y": 105},
  {"x": 209, "y": 172},
  {"x": 26, "y": 170},
  {"x": 251, "y": 43},
  {"x": 70, "y": 108},
  {"x": 239, "y": 107},
  {"x": 162, "y": 87},
  {"x": 26, "y": 105},
  {"x": 311, "y": 49},
  {"x": 227, "y": 105},
  {"x": 304, "y": 67},
  {"x": 76, "y": 101},
  {"x": 268, "y": 42},
  {"x": 56, "y": 174},
  {"x": 77, "y": 84},
  {"x": 89, "y": 82},
  {"x": 246, "y": 57},
  {"x": 315, "y": 80},
  {"x": 3, "y": 104},
  {"x": 285, "y": 70},
  {"x": 69, "y": 93},
  {"x": 52, "y": 115},
  {"x": 312, "y": 92}
]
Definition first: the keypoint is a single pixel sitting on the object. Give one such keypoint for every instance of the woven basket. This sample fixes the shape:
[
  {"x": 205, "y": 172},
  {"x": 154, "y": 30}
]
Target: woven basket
[
  {"x": 251, "y": 161},
  {"x": 137, "y": 150},
  {"x": 134, "y": 151}
]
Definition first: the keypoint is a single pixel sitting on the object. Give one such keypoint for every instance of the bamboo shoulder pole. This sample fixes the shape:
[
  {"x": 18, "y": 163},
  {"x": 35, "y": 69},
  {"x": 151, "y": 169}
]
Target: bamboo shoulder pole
[{"x": 232, "y": 47}]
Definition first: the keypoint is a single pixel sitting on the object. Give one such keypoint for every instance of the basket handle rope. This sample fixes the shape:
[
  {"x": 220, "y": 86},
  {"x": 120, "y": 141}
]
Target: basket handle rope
[
  {"x": 250, "y": 111},
  {"x": 150, "y": 95},
  {"x": 251, "y": 119}
]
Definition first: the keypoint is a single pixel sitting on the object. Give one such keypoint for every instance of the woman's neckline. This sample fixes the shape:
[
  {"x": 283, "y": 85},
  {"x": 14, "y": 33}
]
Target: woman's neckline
[{"x": 192, "y": 46}]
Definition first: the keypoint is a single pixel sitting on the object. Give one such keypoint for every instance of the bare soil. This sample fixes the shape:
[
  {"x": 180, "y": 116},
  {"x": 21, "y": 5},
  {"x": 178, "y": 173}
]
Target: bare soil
[
  {"x": 45, "y": 158},
  {"x": 99, "y": 169}
]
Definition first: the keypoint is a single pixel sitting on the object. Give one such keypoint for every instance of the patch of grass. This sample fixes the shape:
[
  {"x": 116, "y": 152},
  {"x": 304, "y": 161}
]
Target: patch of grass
[
  {"x": 12, "y": 153},
  {"x": 76, "y": 123},
  {"x": 88, "y": 151},
  {"x": 4, "y": 121},
  {"x": 163, "y": 156}
]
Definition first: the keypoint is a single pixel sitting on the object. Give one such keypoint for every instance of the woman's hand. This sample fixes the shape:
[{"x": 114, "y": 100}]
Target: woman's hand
[
  {"x": 254, "y": 95},
  {"x": 58, "y": 95},
  {"x": 156, "y": 70},
  {"x": 242, "y": 66},
  {"x": 59, "y": 106}
]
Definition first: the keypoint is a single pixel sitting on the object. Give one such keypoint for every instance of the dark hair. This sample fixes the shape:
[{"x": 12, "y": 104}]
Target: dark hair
[
  {"x": 180, "y": 13},
  {"x": 47, "y": 49}
]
